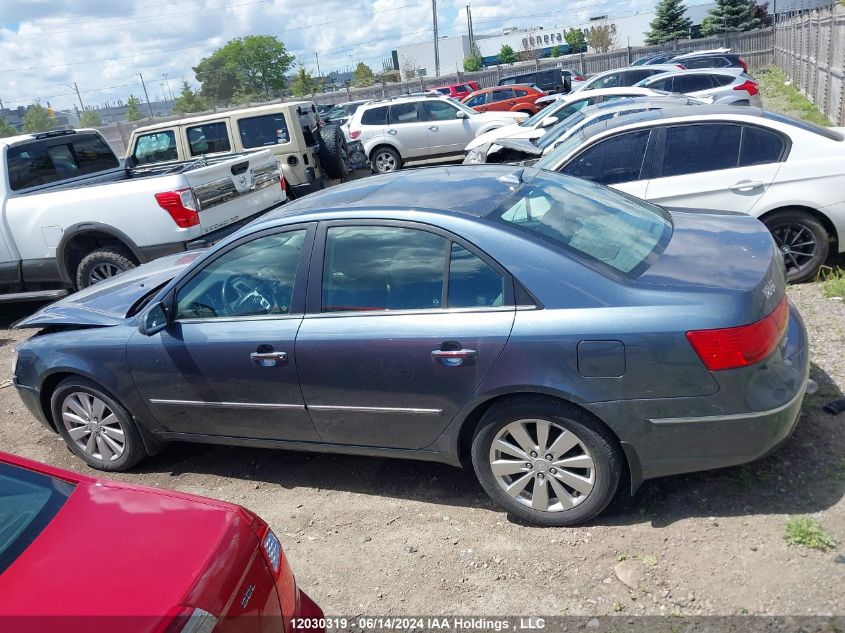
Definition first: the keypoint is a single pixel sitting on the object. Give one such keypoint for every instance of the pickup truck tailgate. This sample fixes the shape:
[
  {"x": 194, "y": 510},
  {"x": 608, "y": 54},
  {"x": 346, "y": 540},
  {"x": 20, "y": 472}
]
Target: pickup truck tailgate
[{"x": 236, "y": 189}]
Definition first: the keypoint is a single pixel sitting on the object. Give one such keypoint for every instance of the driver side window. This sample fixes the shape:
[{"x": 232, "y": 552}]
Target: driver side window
[{"x": 253, "y": 279}]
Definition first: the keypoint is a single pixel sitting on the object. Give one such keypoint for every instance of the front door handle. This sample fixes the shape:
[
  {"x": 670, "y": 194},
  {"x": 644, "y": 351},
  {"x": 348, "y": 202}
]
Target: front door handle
[
  {"x": 269, "y": 359},
  {"x": 433, "y": 128},
  {"x": 746, "y": 185},
  {"x": 391, "y": 131},
  {"x": 454, "y": 357}
]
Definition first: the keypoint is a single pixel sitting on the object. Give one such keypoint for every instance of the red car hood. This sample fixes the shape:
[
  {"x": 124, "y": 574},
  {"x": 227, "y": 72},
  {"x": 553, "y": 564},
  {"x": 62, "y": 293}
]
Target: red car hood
[{"x": 121, "y": 550}]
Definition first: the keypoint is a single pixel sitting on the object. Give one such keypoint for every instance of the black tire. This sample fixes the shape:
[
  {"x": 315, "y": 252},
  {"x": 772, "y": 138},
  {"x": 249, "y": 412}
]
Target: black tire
[
  {"x": 334, "y": 157},
  {"x": 133, "y": 446},
  {"x": 595, "y": 442},
  {"x": 791, "y": 227},
  {"x": 101, "y": 264},
  {"x": 384, "y": 160}
]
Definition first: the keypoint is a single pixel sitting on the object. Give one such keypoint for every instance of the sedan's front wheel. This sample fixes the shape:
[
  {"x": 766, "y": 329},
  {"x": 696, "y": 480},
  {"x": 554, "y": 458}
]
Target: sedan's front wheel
[
  {"x": 546, "y": 462},
  {"x": 95, "y": 426}
]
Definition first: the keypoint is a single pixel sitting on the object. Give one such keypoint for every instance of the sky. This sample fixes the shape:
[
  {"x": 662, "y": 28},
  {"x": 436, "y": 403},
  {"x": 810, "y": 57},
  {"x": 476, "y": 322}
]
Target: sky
[{"x": 103, "y": 45}]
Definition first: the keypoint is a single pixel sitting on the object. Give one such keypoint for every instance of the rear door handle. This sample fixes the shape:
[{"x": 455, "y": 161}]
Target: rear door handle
[
  {"x": 269, "y": 359},
  {"x": 433, "y": 128},
  {"x": 746, "y": 185},
  {"x": 391, "y": 131},
  {"x": 454, "y": 357}
]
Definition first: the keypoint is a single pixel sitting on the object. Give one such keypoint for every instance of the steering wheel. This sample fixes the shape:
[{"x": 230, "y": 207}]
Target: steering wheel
[{"x": 241, "y": 291}]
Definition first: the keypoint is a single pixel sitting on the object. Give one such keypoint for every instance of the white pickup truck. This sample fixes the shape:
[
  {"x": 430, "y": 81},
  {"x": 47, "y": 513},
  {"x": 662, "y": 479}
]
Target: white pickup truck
[{"x": 71, "y": 214}]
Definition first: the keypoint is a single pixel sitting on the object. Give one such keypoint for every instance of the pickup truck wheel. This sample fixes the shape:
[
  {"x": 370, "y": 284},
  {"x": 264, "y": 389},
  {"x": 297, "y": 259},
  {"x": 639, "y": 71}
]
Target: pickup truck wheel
[
  {"x": 101, "y": 264},
  {"x": 96, "y": 427},
  {"x": 334, "y": 156}
]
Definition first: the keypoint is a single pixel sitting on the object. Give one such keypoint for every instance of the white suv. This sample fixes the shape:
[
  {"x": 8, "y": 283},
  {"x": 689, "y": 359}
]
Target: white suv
[{"x": 394, "y": 131}]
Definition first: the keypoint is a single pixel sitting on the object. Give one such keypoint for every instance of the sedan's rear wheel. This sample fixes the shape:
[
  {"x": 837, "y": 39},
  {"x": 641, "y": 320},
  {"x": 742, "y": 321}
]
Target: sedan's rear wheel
[
  {"x": 802, "y": 241},
  {"x": 95, "y": 426},
  {"x": 546, "y": 462}
]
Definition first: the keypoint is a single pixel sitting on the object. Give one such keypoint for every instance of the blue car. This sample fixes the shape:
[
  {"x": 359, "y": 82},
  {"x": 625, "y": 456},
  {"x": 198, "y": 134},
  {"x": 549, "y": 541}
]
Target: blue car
[{"x": 549, "y": 333}]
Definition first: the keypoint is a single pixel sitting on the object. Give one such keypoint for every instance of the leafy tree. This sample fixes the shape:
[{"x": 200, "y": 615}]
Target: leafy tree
[
  {"x": 6, "y": 129},
  {"x": 556, "y": 52},
  {"x": 255, "y": 63},
  {"x": 409, "y": 68},
  {"x": 304, "y": 84},
  {"x": 729, "y": 16},
  {"x": 243, "y": 97},
  {"x": 90, "y": 118},
  {"x": 576, "y": 40},
  {"x": 38, "y": 119},
  {"x": 761, "y": 12},
  {"x": 601, "y": 38},
  {"x": 507, "y": 55},
  {"x": 133, "y": 110},
  {"x": 363, "y": 76},
  {"x": 188, "y": 101},
  {"x": 670, "y": 23},
  {"x": 473, "y": 62}
]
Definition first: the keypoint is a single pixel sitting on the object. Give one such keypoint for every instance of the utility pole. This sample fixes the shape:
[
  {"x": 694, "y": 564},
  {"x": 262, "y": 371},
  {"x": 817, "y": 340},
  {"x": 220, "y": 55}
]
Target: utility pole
[
  {"x": 470, "y": 31},
  {"x": 75, "y": 87},
  {"x": 146, "y": 96},
  {"x": 167, "y": 88},
  {"x": 317, "y": 57},
  {"x": 436, "y": 41}
]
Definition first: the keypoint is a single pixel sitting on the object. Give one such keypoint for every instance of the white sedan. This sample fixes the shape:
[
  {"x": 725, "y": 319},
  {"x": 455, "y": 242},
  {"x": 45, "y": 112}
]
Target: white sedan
[
  {"x": 561, "y": 108},
  {"x": 788, "y": 173}
]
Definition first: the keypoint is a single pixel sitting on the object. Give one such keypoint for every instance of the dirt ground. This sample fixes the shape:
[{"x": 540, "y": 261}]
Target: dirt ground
[{"x": 378, "y": 536}]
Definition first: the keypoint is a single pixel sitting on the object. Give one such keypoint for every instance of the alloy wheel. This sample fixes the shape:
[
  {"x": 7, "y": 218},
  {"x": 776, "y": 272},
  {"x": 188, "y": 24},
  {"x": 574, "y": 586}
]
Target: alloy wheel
[
  {"x": 103, "y": 271},
  {"x": 797, "y": 245},
  {"x": 385, "y": 162},
  {"x": 542, "y": 465},
  {"x": 92, "y": 426}
]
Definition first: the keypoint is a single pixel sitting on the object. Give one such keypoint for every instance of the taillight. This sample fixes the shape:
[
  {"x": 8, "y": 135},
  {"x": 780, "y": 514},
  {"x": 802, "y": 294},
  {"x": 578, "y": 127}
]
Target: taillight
[
  {"x": 749, "y": 86},
  {"x": 744, "y": 65},
  {"x": 283, "y": 183},
  {"x": 272, "y": 549},
  {"x": 681, "y": 66},
  {"x": 353, "y": 134},
  {"x": 729, "y": 348},
  {"x": 187, "y": 620},
  {"x": 578, "y": 78},
  {"x": 181, "y": 205}
]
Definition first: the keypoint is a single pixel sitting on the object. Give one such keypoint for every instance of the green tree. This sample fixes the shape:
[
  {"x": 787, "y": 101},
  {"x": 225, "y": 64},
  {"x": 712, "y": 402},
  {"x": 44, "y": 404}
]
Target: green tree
[
  {"x": 601, "y": 38},
  {"x": 133, "y": 109},
  {"x": 507, "y": 55},
  {"x": 38, "y": 119},
  {"x": 363, "y": 76},
  {"x": 409, "y": 68},
  {"x": 90, "y": 118},
  {"x": 255, "y": 63},
  {"x": 188, "y": 101},
  {"x": 243, "y": 97},
  {"x": 304, "y": 84},
  {"x": 6, "y": 129},
  {"x": 473, "y": 62},
  {"x": 670, "y": 23},
  {"x": 730, "y": 16},
  {"x": 576, "y": 40},
  {"x": 555, "y": 52}
]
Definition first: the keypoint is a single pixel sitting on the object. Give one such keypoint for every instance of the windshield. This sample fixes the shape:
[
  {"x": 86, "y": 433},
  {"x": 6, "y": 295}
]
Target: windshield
[
  {"x": 534, "y": 121},
  {"x": 559, "y": 129},
  {"x": 555, "y": 157},
  {"x": 589, "y": 220},
  {"x": 28, "y": 502}
]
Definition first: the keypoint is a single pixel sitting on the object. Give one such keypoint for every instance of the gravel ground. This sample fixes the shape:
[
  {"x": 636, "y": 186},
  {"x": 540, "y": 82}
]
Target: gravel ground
[{"x": 380, "y": 536}]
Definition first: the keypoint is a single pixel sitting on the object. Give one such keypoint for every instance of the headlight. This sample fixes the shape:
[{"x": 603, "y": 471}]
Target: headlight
[{"x": 475, "y": 157}]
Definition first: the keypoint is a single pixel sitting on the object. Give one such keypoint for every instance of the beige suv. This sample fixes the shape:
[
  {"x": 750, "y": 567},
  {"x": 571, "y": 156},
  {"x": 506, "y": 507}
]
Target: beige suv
[{"x": 307, "y": 153}]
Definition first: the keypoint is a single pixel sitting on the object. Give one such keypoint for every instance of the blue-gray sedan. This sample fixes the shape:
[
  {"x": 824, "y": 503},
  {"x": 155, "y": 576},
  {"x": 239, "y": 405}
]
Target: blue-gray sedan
[{"x": 550, "y": 333}]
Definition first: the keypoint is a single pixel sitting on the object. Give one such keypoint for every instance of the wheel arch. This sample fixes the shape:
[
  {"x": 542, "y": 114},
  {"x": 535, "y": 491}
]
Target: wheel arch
[
  {"x": 383, "y": 143},
  {"x": 826, "y": 222},
  {"x": 82, "y": 235},
  {"x": 631, "y": 463}
]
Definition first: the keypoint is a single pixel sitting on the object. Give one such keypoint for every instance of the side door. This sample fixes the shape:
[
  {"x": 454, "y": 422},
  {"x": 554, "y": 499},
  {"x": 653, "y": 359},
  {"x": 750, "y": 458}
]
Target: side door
[
  {"x": 500, "y": 99},
  {"x": 622, "y": 161},
  {"x": 408, "y": 130},
  {"x": 447, "y": 134},
  {"x": 403, "y": 321},
  {"x": 717, "y": 165},
  {"x": 211, "y": 137},
  {"x": 226, "y": 364}
]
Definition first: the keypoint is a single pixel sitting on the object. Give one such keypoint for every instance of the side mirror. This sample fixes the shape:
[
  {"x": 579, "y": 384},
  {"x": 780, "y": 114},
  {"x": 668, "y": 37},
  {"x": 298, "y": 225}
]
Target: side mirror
[
  {"x": 154, "y": 320},
  {"x": 549, "y": 121},
  {"x": 131, "y": 161},
  {"x": 461, "y": 114}
]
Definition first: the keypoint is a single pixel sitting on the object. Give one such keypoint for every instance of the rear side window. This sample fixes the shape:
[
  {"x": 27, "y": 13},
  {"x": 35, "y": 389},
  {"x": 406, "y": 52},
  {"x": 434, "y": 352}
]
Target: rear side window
[
  {"x": 403, "y": 113},
  {"x": 598, "y": 223},
  {"x": 692, "y": 149},
  {"x": 520, "y": 93},
  {"x": 760, "y": 146},
  {"x": 263, "y": 131},
  {"x": 502, "y": 95},
  {"x": 44, "y": 162},
  {"x": 28, "y": 502},
  {"x": 722, "y": 80},
  {"x": 662, "y": 84},
  {"x": 692, "y": 83},
  {"x": 208, "y": 138},
  {"x": 472, "y": 283},
  {"x": 375, "y": 116},
  {"x": 613, "y": 160}
]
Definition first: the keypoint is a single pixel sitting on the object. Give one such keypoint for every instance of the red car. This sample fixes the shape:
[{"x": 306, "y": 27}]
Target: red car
[
  {"x": 518, "y": 98},
  {"x": 83, "y": 554},
  {"x": 457, "y": 91}
]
